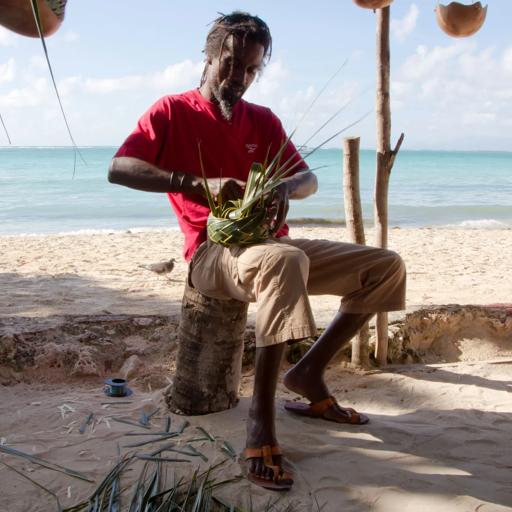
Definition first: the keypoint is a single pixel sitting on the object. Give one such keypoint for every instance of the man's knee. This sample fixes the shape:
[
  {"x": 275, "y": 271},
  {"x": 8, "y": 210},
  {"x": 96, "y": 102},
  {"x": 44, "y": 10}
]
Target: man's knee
[
  {"x": 287, "y": 261},
  {"x": 396, "y": 264},
  {"x": 388, "y": 267},
  {"x": 391, "y": 274}
]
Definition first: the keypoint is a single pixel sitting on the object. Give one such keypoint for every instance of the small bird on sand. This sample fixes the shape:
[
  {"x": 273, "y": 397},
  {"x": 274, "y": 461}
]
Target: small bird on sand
[{"x": 163, "y": 267}]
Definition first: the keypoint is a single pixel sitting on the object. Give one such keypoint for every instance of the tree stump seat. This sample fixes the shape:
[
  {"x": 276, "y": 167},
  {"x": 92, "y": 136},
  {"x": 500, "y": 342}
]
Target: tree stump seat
[{"x": 210, "y": 349}]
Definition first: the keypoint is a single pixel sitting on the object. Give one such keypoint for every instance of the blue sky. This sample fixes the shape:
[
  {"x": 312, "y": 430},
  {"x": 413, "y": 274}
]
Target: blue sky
[{"x": 113, "y": 59}]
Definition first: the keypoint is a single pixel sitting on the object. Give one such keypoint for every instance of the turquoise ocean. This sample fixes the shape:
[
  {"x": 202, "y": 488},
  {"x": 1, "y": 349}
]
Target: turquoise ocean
[{"x": 39, "y": 195}]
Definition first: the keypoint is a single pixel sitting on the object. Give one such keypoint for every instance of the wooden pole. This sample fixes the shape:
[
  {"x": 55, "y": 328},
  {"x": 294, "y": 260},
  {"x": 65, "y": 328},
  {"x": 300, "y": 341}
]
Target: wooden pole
[
  {"x": 353, "y": 210},
  {"x": 385, "y": 159},
  {"x": 355, "y": 227}
]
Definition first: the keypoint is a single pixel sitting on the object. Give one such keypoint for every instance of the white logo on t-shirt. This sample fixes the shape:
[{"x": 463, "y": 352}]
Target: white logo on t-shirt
[{"x": 251, "y": 148}]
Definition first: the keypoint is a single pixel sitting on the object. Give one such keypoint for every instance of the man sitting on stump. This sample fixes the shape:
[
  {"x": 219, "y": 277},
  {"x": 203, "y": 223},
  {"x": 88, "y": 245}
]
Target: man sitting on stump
[{"x": 230, "y": 134}]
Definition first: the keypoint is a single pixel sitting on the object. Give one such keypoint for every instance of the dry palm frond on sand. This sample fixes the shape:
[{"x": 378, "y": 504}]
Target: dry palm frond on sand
[{"x": 149, "y": 482}]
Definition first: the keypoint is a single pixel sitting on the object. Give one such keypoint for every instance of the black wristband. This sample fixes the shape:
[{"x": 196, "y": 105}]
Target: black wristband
[{"x": 176, "y": 180}]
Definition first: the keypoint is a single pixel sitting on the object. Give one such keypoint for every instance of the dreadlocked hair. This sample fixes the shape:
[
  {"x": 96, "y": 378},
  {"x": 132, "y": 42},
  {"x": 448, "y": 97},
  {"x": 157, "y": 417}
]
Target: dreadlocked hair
[{"x": 241, "y": 25}]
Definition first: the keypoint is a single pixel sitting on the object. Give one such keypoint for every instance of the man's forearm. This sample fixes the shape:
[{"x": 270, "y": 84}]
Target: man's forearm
[
  {"x": 141, "y": 175},
  {"x": 301, "y": 185}
]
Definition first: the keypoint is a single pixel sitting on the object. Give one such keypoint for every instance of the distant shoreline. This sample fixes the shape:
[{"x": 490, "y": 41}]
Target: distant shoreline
[
  {"x": 295, "y": 225},
  {"x": 335, "y": 148},
  {"x": 312, "y": 221}
]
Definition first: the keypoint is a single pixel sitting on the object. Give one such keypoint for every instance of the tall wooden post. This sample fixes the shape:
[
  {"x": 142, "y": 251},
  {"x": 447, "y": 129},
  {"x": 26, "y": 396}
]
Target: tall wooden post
[
  {"x": 355, "y": 227},
  {"x": 385, "y": 160}
]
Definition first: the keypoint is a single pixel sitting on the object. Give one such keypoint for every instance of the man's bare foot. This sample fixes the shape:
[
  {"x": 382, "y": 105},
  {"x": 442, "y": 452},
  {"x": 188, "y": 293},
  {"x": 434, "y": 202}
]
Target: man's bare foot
[{"x": 302, "y": 380}]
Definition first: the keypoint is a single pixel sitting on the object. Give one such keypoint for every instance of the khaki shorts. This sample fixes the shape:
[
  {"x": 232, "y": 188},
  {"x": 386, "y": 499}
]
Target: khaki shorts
[{"x": 279, "y": 274}]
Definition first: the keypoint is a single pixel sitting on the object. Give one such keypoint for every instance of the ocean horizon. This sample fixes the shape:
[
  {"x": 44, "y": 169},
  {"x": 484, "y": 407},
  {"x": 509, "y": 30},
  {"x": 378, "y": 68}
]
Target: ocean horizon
[{"x": 428, "y": 188}]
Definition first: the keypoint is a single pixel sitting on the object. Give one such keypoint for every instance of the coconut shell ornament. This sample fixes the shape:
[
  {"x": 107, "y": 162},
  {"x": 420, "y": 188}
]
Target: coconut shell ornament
[
  {"x": 460, "y": 20},
  {"x": 373, "y": 4}
]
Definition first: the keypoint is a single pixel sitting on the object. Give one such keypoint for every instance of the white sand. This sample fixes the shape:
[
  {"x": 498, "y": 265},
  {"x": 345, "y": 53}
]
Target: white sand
[
  {"x": 90, "y": 274},
  {"x": 439, "y": 437}
]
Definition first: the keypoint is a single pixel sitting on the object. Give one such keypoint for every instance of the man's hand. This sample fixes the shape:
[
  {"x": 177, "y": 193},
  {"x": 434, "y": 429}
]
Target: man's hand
[
  {"x": 298, "y": 186},
  {"x": 140, "y": 175},
  {"x": 278, "y": 205},
  {"x": 229, "y": 188}
]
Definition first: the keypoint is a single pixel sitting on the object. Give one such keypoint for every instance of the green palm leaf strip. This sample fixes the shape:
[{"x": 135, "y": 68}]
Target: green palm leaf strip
[
  {"x": 163, "y": 459},
  {"x": 229, "y": 450},
  {"x": 37, "y": 484},
  {"x": 152, "y": 490},
  {"x": 5, "y": 129},
  {"x": 35, "y": 10},
  {"x": 196, "y": 453},
  {"x": 139, "y": 491},
  {"x": 132, "y": 423},
  {"x": 274, "y": 164},
  {"x": 183, "y": 426},
  {"x": 44, "y": 463},
  {"x": 207, "y": 434},
  {"x": 138, "y": 434},
  {"x": 242, "y": 221},
  {"x": 151, "y": 441},
  {"x": 194, "y": 493},
  {"x": 245, "y": 221},
  {"x": 158, "y": 451},
  {"x": 198, "y": 503},
  {"x": 284, "y": 170}
]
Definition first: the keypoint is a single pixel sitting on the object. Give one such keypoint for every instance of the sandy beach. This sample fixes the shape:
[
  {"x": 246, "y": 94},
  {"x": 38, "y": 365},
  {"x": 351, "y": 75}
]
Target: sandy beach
[
  {"x": 439, "y": 436},
  {"x": 104, "y": 273}
]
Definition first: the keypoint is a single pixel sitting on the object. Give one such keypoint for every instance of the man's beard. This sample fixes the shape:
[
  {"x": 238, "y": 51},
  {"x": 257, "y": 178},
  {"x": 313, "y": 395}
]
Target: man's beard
[{"x": 226, "y": 97}]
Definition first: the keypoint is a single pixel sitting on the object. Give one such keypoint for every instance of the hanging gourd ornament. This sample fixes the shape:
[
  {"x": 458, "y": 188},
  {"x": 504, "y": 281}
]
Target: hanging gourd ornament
[
  {"x": 373, "y": 4},
  {"x": 459, "y": 20}
]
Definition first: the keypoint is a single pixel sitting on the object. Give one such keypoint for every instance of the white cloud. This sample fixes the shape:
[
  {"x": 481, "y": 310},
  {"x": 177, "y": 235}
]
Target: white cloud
[
  {"x": 479, "y": 118},
  {"x": 7, "y": 71},
  {"x": 7, "y": 38},
  {"x": 276, "y": 90},
  {"x": 179, "y": 76},
  {"x": 70, "y": 36},
  {"x": 174, "y": 78},
  {"x": 111, "y": 85},
  {"x": 90, "y": 103},
  {"x": 507, "y": 60},
  {"x": 101, "y": 110},
  {"x": 35, "y": 94},
  {"x": 68, "y": 85},
  {"x": 428, "y": 62},
  {"x": 442, "y": 97},
  {"x": 400, "y": 88},
  {"x": 401, "y": 28},
  {"x": 268, "y": 83},
  {"x": 504, "y": 94},
  {"x": 456, "y": 92}
]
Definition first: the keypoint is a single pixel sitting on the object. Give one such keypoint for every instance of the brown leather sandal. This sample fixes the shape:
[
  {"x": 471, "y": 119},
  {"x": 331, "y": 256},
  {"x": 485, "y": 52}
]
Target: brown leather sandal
[
  {"x": 280, "y": 480},
  {"x": 318, "y": 410}
]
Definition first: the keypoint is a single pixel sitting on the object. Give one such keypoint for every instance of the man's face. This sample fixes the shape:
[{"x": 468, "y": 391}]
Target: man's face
[{"x": 230, "y": 75}]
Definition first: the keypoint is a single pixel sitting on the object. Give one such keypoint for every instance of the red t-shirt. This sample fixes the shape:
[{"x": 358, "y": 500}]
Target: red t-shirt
[{"x": 168, "y": 136}]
